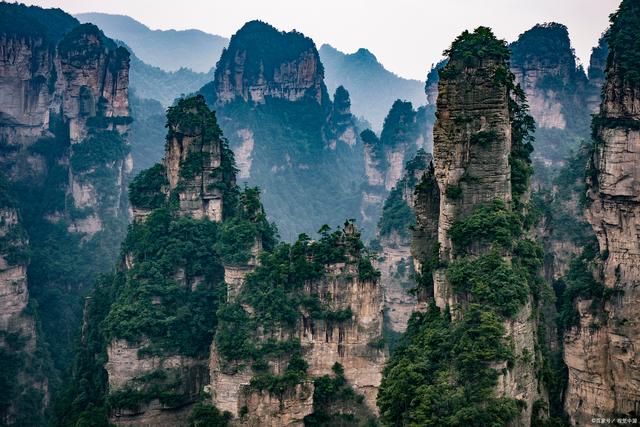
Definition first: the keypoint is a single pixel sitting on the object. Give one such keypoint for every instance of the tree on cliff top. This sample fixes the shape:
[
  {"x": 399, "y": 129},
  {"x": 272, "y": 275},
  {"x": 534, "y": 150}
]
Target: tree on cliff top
[{"x": 623, "y": 40}]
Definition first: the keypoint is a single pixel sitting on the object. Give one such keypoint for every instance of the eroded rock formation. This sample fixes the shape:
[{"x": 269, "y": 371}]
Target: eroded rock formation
[
  {"x": 263, "y": 386},
  {"x": 395, "y": 227},
  {"x": 601, "y": 350},
  {"x": 64, "y": 116},
  {"x": 287, "y": 132},
  {"x": 477, "y": 140}
]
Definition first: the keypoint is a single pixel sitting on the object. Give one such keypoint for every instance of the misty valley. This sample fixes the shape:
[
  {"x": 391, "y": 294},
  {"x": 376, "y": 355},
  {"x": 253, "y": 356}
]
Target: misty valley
[{"x": 257, "y": 230}]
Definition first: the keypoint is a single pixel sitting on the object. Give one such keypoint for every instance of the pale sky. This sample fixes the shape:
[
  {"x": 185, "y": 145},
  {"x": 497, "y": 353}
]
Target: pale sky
[{"x": 407, "y": 36}]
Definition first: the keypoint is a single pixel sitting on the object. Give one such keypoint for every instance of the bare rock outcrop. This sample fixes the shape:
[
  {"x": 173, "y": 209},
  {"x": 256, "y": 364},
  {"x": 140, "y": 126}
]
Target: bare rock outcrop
[
  {"x": 289, "y": 74},
  {"x": 601, "y": 352},
  {"x": 473, "y": 160},
  {"x": 349, "y": 333}
]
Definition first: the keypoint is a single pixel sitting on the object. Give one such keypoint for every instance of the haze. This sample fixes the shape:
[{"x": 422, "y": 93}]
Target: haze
[{"x": 407, "y": 36}]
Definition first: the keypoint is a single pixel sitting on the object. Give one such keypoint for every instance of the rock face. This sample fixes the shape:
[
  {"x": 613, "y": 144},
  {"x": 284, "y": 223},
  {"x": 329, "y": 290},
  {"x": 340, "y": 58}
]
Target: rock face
[
  {"x": 395, "y": 260},
  {"x": 193, "y": 160},
  {"x": 385, "y": 156},
  {"x": 601, "y": 353},
  {"x": 351, "y": 337},
  {"x": 18, "y": 339},
  {"x": 290, "y": 73},
  {"x": 64, "y": 115},
  {"x": 286, "y": 131},
  {"x": 472, "y": 167}
]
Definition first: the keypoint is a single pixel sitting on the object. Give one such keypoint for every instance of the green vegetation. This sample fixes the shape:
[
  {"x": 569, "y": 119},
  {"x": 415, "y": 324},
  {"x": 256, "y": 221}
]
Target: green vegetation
[
  {"x": 370, "y": 139},
  {"x": 151, "y": 302},
  {"x": 332, "y": 395},
  {"x": 99, "y": 148},
  {"x": 238, "y": 234},
  {"x": 624, "y": 46},
  {"x": 490, "y": 281},
  {"x": 145, "y": 191},
  {"x": 473, "y": 47},
  {"x": 440, "y": 373},
  {"x": 549, "y": 42},
  {"x": 396, "y": 214},
  {"x": 487, "y": 224},
  {"x": 454, "y": 192},
  {"x": 484, "y": 138},
  {"x": 266, "y": 49},
  {"x": 206, "y": 415},
  {"x": 74, "y": 45},
  {"x": 522, "y": 138},
  {"x": 399, "y": 125}
]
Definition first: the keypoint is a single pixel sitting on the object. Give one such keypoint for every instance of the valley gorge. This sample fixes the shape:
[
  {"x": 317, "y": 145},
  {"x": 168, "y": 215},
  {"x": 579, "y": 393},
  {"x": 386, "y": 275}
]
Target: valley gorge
[{"x": 256, "y": 253}]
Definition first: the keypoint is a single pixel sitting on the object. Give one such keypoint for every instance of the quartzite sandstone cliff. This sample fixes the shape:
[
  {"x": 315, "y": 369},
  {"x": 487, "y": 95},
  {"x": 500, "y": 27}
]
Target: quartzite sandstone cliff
[{"x": 601, "y": 351}]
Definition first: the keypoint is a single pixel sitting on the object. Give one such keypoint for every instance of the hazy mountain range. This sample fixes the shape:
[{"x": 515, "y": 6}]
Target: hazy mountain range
[
  {"x": 373, "y": 88},
  {"x": 167, "y": 49}
]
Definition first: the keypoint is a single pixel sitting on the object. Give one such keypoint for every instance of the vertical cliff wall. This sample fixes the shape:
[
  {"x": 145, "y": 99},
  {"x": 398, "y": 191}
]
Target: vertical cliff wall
[
  {"x": 473, "y": 274},
  {"x": 287, "y": 337},
  {"x": 395, "y": 262},
  {"x": 287, "y": 132},
  {"x": 24, "y": 383},
  {"x": 600, "y": 350},
  {"x": 63, "y": 120}
]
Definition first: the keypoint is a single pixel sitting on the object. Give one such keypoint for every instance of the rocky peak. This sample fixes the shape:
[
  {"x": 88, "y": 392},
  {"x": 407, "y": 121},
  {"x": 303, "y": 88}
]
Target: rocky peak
[
  {"x": 481, "y": 169},
  {"x": 262, "y": 62},
  {"x": 431, "y": 84},
  {"x": 472, "y": 140},
  {"x": 341, "y": 118},
  {"x": 197, "y": 163},
  {"x": 544, "y": 65},
  {"x": 600, "y": 350}
]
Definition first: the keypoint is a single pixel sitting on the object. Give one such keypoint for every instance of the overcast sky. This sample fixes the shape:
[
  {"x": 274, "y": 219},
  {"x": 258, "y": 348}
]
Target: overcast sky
[{"x": 407, "y": 36}]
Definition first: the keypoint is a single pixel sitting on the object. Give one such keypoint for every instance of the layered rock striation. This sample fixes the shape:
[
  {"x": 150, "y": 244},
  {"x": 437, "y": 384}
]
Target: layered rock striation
[
  {"x": 272, "y": 351},
  {"x": 287, "y": 132},
  {"x": 600, "y": 350},
  {"x": 64, "y": 116},
  {"x": 465, "y": 266}
]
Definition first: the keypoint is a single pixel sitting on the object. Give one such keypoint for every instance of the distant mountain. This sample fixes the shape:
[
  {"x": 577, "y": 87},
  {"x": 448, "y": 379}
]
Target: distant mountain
[
  {"x": 373, "y": 88},
  {"x": 169, "y": 50},
  {"x": 164, "y": 86}
]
